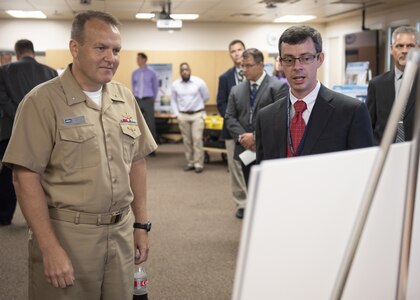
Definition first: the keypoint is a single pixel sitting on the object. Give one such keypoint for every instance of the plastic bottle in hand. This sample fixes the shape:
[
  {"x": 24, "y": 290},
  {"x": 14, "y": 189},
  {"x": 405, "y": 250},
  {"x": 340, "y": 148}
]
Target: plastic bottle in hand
[{"x": 140, "y": 285}]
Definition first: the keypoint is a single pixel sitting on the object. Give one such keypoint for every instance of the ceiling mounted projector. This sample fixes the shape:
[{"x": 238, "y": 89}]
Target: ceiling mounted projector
[
  {"x": 164, "y": 20},
  {"x": 168, "y": 24}
]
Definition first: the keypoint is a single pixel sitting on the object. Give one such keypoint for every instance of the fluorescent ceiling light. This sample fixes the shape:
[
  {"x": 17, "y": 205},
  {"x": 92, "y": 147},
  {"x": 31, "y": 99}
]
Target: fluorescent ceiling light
[
  {"x": 29, "y": 14},
  {"x": 173, "y": 16},
  {"x": 144, "y": 15},
  {"x": 184, "y": 16},
  {"x": 294, "y": 19}
]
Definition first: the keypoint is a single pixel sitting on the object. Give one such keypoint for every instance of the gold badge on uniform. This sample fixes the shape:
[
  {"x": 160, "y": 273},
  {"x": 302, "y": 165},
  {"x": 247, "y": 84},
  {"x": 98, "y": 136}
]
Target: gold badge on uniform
[{"x": 132, "y": 128}]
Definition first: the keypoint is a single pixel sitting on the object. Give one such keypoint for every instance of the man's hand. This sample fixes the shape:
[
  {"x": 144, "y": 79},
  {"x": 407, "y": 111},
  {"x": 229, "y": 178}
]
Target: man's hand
[
  {"x": 247, "y": 141},
  {"x": 138, "y": 206},
  {"x": 58, "y": 269},
  {"x": 141, "y": 243}
]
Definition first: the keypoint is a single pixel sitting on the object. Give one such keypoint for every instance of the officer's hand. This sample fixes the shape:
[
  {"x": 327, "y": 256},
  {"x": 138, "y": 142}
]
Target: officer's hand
[
  {"x": 58, "y": 269},
  {"x": 141, "y": 246}
]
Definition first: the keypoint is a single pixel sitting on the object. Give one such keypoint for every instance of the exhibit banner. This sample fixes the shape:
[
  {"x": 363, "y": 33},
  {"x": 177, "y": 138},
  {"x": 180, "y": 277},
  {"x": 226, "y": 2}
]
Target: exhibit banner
[
  {"x": 163, "y": 99},
  {"x": 356, "y": 91},
  {"x": 357, "y": 73}
]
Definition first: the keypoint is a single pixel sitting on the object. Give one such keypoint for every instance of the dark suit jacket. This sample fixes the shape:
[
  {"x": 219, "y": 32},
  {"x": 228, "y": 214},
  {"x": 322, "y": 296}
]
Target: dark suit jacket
[
  {"x": 337, "y": 122},
  {"x": 226, "y": 81},
  {"x": 16, "y": 80},
  {"x": 238, "y": 110},
  {"x": 380, "y": 99}
]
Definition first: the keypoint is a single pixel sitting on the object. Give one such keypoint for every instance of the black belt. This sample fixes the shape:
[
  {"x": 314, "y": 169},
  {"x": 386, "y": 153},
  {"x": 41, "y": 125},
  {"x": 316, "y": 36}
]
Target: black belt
[{"x": 191, "y": 112}]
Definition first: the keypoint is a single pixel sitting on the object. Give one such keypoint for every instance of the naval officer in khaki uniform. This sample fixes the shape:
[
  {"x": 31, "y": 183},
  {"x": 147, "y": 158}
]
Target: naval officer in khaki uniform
[{"x": 77, "y": 152}]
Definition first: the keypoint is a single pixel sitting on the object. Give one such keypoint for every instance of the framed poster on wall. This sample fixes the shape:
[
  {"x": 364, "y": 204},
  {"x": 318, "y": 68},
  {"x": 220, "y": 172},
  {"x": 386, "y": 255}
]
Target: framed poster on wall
[{"x": 164, "y": 75}]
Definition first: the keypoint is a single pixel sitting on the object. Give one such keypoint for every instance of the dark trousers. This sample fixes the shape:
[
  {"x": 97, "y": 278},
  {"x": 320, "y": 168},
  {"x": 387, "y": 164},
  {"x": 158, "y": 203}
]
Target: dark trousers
[
  {"x": 247, "y": 171},
  {"x": 7, "y": 191},
  {"x": 147, "y": 106}
]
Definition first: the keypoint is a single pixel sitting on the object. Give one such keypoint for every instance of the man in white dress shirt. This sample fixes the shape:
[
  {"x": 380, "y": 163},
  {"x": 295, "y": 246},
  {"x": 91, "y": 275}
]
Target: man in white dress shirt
[{"x": 188, "y": 97}]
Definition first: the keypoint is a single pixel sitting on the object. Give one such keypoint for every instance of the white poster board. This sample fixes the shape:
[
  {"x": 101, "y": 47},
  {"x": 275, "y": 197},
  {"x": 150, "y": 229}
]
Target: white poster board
[
  {"x": 413, "y": 289},
  {"x": 298, "y": 222}
]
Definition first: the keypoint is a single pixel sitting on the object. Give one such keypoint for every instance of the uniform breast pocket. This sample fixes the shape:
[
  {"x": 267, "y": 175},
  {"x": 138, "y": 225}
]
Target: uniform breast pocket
[
  {"x": 130, "y": 138},
  {"x": 80, "y": 146}
]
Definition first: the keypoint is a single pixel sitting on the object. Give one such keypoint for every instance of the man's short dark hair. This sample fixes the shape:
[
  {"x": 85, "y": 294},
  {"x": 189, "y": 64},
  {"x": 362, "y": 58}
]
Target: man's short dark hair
[
  {"x": 184, "y": 64},
  {"x": 78, "y": 25},
  {"x": 24, "y": 45},
  {"x": 298, "y": 34},
  {"x": 236, "y": 42},
  {"x": 142, "y": 55},
  {"x": 255, "y": 53}
]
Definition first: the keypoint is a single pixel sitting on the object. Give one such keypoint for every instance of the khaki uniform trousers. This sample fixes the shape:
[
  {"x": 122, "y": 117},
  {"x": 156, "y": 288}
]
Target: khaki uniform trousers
[
  {"x": 192, "y": 127},
  {"x": 102, "y": 258},
  {"x": 239, "y": 191}
]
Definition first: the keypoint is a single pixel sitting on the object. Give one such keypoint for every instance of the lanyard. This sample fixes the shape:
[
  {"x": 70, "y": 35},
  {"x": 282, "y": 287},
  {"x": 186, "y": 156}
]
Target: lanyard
[
  {"x": 251, "y": 110},
  {"x": 289, "y": 135}
]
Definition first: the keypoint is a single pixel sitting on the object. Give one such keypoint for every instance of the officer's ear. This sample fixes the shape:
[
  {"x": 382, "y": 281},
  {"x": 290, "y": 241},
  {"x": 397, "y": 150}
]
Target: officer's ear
[{"x": 74, "y": 48}]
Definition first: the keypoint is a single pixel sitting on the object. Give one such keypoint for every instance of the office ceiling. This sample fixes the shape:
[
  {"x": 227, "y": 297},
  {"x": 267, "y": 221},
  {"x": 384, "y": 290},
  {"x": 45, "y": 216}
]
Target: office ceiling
[{"x": 257, "y": 11}]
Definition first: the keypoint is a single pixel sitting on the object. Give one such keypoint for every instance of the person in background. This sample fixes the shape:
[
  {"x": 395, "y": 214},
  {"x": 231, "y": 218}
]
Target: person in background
[
  {"x": 278, "y": 71},
  {"x": 247, "y": 99},
  {"x": 16, "y": 80},
  {"x": 311, "y": 119},
  {"x": 188, "y": 97},
  {"x": 78, "y": 152},
  {"x": 144, "y": 85},
  {"x": 227, "y": 80},
  {"x": 5, "y": 58},
  {"x": 382, "y": 89}
]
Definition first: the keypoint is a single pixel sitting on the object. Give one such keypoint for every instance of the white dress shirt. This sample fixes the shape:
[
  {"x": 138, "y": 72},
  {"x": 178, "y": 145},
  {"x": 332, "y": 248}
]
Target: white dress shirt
[
  {"x": 188, "y": 96},
  {"x": 398, "y": 80},
  {"x": 309, "y": 100}
]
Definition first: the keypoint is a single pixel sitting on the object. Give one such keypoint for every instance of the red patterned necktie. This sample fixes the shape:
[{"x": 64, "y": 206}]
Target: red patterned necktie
[{"x": 297, "y": 128}]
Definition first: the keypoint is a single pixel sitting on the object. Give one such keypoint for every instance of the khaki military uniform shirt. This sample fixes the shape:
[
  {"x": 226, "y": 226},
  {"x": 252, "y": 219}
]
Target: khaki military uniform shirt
[{"x": 82, "y": 152}]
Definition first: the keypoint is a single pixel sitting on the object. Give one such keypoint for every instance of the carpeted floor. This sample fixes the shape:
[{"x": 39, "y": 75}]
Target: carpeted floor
[{"x": 194, "y": 238}]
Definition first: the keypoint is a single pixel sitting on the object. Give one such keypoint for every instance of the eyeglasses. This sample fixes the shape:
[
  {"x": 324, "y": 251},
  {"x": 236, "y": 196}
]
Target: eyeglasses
[{"x": 305, "y": 59}]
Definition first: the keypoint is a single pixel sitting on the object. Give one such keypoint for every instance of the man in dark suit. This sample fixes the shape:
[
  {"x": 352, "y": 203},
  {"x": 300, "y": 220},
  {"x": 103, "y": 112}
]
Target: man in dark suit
[
  {"x": 227, "y": 80},
  {"x": 383, "y": 88},
  {"x": 328, "y": 121},
  {"x": 246, "y": 99},
  {"x": 16, "y": 80}
]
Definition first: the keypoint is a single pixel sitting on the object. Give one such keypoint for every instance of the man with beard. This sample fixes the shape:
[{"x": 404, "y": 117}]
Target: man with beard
[
  {"x": 383, "y": 88},
  {"x": 188, "y": 96}
]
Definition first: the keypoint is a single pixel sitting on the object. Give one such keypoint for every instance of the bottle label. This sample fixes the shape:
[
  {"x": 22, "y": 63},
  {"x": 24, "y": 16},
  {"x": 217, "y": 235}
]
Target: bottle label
[{"x": 138, "y": 283}]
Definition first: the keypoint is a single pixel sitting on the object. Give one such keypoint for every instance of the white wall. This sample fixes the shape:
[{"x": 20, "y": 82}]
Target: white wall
[
  {"x": 48, "y": 34},
  {"x": 408, "y": 14},
  {"x": 44, "y": 34},
  {"x": 143, "y": 35}
]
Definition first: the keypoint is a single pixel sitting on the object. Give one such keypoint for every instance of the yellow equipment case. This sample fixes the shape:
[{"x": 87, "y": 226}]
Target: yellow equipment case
[{"x": 211, "y": 137}]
